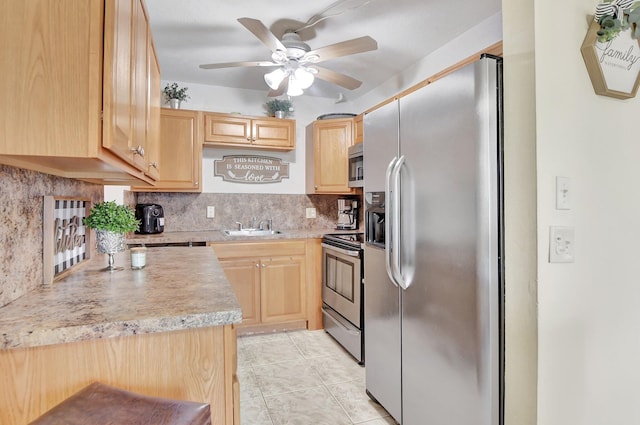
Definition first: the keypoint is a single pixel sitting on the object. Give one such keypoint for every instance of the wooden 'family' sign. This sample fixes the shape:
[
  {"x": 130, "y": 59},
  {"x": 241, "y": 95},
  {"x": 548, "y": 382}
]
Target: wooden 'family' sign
[
  {"x": 65, "y": 239},
  {"x": 251, "y": 169},
  {"x": 613, "y": 66}
]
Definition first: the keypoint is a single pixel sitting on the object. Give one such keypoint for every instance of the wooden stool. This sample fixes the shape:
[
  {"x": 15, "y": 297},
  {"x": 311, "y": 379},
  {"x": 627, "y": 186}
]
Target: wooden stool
[{"x": 100, "y": 404}]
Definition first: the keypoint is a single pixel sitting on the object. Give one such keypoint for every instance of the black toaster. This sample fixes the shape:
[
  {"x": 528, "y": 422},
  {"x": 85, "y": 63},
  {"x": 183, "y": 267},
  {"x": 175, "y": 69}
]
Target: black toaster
[{"x": 151, "y": 218}]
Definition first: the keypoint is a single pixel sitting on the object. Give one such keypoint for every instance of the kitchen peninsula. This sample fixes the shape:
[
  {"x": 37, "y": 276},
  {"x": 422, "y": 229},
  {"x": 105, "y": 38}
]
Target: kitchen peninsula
[{"x": 166, "y": 330}]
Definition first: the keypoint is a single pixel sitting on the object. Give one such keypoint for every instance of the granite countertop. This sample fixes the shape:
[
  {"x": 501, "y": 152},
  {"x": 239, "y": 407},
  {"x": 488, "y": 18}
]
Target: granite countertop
[
  {"x": 219, "y": 236},
  {"x": 180, "y": 288}
]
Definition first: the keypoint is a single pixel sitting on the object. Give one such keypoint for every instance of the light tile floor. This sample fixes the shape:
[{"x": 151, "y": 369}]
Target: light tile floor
[{"x": 302, "y": 378}]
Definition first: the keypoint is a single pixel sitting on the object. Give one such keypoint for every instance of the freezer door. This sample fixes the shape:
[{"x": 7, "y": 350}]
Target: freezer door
[
  {"x": 380, "y": 145},
  {"x": 382, "y": 333},
  {"x": 450, "y": 313}
]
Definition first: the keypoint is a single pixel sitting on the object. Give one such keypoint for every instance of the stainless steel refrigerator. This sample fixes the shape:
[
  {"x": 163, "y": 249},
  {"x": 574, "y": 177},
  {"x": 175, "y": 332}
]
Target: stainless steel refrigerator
[{"x": 433, "y": 251}]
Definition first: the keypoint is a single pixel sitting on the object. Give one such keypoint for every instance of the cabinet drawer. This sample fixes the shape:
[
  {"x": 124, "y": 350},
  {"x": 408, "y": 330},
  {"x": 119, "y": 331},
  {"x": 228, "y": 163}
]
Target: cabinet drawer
[{"x": 226, "y": 250}]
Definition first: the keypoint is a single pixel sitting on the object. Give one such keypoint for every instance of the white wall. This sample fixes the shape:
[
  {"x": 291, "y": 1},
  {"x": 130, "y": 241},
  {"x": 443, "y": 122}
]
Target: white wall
[
  {"x": 484, "y": 34},
  {"x": 115, "y": 193},
  {"x": 589, "y": 310},
  {"x": 521, "y": 316}
]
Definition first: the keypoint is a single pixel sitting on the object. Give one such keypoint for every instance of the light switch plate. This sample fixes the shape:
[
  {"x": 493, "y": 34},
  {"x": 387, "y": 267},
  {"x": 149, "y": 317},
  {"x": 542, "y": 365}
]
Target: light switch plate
[
  {"x": 561, "y": 244},
  {"x": 311, "y": 212},
  {"x": 563, "y": 193},
  {"x": 211, "y": 212}
]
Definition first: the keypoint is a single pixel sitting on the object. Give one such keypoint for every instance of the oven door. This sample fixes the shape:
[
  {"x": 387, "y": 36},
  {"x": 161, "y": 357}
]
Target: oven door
[{"x": 341, "y": 281}]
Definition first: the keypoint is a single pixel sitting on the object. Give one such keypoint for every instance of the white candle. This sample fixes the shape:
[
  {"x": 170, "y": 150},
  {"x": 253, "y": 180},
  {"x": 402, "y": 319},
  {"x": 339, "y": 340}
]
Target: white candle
[{"x": 138, "y": 257}]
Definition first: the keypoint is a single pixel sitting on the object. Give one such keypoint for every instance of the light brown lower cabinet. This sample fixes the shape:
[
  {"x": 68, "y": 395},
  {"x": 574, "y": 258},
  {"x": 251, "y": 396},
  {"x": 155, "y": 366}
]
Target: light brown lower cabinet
[
  {"x": 282, "y": 289},
  {"x": 193, "y": 364},
  {"x": 244, "y": 276},
  {"x": 272, "y": 282}
]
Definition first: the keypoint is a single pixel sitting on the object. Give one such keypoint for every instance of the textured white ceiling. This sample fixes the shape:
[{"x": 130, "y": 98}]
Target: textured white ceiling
[{"x": 188, "y": 33}]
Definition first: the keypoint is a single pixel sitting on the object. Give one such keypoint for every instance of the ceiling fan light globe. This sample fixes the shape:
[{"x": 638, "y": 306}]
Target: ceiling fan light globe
[
  {"x": 274, "y": 78},
  {"x": 303, "y": 77},
  {"x": 294, "y": 88}
]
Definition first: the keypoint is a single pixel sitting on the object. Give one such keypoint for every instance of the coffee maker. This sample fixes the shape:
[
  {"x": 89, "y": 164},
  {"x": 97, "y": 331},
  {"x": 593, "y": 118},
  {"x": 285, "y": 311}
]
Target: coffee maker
[
  {"x": 151, "y": 218},
  {"x": 347, "y": 214}
]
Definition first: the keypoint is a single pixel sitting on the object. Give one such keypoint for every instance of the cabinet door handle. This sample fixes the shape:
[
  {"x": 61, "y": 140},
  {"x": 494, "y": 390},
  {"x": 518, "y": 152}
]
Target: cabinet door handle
[
  {"x": 138, "y": 151},
  {"x": 248, "y": 139},
  {"x": 154, "y": 165}
]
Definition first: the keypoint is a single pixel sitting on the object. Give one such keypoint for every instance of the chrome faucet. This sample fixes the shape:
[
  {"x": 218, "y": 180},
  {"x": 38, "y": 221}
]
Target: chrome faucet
[
  {"x": 239, "y": 225},
  {"x": 254, "y": 220},
  {"x": 269, "y": 224}
]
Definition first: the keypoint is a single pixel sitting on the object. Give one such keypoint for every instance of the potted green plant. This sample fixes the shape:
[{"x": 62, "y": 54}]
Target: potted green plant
[
  {"x": 111, "y": 223},
  {"x": 613, "y": 20},
  {"x": 279, "y": 108},
  {"x": 175, "y": 94}
]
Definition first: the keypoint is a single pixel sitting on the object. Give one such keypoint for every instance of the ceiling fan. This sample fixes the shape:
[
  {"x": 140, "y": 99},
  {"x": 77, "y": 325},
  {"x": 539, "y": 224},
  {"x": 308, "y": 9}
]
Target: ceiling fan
[{"x": 295, "y": 61}]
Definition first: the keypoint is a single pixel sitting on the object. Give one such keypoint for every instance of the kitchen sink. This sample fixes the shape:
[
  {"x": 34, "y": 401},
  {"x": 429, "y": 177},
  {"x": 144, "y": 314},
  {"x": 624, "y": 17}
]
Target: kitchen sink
[{"x": 250, "y": 232}]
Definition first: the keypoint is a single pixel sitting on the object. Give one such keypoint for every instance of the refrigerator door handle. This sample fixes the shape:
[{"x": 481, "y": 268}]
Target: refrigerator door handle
[
  {"x": 388, "y": 228},
  {"x": 404, "y": 195},
  {"x": 395, "y": 200}
]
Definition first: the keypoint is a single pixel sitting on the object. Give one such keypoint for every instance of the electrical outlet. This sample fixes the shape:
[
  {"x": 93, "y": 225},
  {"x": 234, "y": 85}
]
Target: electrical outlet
[
  {"x": 561, "y": 244},
  {"x": 211, "y": 212},
  {"x": 311, "y": 213}
]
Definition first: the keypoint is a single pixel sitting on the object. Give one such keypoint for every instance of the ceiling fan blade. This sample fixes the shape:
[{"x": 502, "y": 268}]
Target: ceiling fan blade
[
  {"x": 337, "y": 78},
  {"x": 262, "y": 32},
  {"x": 282, "y": 88},
  {"x": 344, "y": 48},
  {"x": 235, "y": 64}
]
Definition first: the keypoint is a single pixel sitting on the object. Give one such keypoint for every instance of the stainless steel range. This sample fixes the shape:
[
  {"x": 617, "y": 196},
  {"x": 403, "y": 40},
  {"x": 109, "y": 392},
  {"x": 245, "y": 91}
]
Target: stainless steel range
[{"x": 343, "y": 290}]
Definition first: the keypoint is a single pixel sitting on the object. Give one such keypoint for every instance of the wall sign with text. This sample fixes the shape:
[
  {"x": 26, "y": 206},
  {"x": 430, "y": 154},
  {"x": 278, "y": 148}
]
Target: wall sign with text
[
  {"x": 613, "y": 66},
  {"x": 250, "y": 169},
  {"x": 65, "y": 239}
]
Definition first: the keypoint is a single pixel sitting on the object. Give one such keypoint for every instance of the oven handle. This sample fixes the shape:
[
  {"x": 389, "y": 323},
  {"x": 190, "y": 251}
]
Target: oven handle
[{"x": 341, "y": 250}]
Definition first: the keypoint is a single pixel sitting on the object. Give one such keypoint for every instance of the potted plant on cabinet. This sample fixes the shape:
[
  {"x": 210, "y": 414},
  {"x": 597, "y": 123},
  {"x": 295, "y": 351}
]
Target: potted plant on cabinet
[
  {"x": 175, "y": 95},
  {"x": 279, "y": 108},
  {"x": 111, "y": 222}
]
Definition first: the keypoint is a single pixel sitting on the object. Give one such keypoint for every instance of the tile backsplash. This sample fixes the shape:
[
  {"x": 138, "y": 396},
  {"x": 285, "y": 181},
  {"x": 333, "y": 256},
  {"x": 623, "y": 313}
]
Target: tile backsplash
[
  {"x": 21, "y": 203},
  {"x": 188, "y": 212}
]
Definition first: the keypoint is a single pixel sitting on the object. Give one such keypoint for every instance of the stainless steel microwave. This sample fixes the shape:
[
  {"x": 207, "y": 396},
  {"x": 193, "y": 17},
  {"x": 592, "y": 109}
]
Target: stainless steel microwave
[{"x": 356, "y": 168}]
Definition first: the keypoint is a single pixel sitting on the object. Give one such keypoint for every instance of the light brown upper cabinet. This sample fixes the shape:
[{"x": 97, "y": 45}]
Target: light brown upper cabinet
[
  {"x": 153, "y": 115},
  {"x": 180, "y": 152},
  {"x": 358, "y": 129},
  {"x": 225, "y": 130},
  {"x": 77, "y": 73},
  {"x": 327, "y": 162}
]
